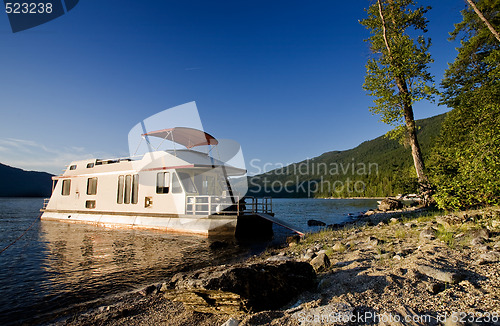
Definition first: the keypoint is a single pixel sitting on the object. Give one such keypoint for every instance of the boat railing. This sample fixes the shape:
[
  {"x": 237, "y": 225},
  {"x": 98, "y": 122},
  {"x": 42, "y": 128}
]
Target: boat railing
[
  {"x": 118, "y": 159},
  {"x": 258, "y": 205},
  {"x": 45, "y": 203},
  {"x": 209, "y": 205}
]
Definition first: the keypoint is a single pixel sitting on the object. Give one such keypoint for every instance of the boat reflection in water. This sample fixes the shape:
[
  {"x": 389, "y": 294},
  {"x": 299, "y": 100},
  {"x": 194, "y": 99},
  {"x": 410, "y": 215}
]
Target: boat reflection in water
[{"x": 85, "y": 262}]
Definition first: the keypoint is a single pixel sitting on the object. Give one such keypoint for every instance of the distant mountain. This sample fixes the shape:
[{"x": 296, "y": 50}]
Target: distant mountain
[
  {"x": 20, "y": 183},
  {"x": 375, "y": 168}
]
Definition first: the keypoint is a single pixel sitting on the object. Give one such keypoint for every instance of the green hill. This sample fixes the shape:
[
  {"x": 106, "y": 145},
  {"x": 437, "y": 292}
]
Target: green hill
[
  {"x": 378, "y": 167},
  {"x": 20, "y": 183}
]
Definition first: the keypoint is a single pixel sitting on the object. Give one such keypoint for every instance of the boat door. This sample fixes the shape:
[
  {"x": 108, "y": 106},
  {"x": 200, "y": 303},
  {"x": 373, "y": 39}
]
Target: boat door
[{"x": 182, "y": 186}]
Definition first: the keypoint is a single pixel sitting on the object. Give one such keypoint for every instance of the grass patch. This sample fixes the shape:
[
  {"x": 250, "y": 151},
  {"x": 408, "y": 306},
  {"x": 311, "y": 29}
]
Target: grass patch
[
  {"x": 340, "y": 248},
  {"x": 430, "y": 215},
  {"x": 401, "y": 234},
  {"x": 329, "y": 252},
  {"x": 446, "y": 236},
  {"x": 421, "y": 216}
]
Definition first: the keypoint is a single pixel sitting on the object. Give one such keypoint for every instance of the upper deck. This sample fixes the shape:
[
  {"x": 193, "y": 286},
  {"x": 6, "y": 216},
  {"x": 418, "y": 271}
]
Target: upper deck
[
  {"x": 156, "y": 159},
  {"x": 160, "y": 160}
]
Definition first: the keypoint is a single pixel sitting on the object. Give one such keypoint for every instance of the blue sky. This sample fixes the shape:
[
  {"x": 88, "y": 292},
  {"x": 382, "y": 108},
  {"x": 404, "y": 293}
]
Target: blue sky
[{"x": 283, "y": 78}]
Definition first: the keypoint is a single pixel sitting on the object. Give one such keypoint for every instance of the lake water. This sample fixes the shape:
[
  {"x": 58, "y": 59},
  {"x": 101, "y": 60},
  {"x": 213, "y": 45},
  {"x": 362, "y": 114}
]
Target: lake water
[{"x": 56, "y": 266}]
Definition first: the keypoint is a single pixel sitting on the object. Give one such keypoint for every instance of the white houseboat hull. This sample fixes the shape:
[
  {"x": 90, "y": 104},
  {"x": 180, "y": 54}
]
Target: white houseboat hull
[
  {"x": 180, "y": 191},
  {"x": 215, "y": 225}
]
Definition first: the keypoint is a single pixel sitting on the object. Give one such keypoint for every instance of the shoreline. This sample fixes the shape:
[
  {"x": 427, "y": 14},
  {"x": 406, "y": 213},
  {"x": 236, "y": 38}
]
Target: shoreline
[
  {"x": 395, "y": 263},
  {"x": 374, "y": 198}
]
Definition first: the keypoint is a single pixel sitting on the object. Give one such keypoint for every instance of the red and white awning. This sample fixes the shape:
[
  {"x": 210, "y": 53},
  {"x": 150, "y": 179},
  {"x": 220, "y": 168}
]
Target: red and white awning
[{"x": 188, "y": 137}]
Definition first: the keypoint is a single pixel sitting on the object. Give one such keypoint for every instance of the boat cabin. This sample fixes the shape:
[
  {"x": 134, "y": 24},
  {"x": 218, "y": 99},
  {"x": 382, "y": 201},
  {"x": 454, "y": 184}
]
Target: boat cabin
[{"x": 177, "y": 190}]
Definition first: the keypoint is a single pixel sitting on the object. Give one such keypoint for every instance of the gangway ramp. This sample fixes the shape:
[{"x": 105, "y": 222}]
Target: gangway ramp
[{"x": 280, "y": 223}]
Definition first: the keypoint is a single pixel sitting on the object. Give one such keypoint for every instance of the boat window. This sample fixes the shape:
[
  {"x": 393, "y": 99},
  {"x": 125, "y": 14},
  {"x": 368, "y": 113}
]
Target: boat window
[
  {"x": 121, "y": 181},
  {"x": 128, "y": 181},
  {"x": 187, "y": 182},
  {"x": 135, "y": 188},
  {"x": 176, "y": 186},
  {"x": 128, "y": 189},
  {"x": 54, "y": 184},
  {"x": 73, "y": 167},
  {"x": 205, "y": 184},
  {"x": 162, "y": 182},
  {"x": 90, "y": 165},
  {"x": 91, "y": 186},
  {"x": 90, "y": 204},
  {"x": 66, "y": 187}
]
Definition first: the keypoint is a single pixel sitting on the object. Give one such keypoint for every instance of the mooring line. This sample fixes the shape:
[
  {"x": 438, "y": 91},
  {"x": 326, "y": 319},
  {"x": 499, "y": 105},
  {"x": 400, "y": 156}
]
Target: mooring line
[{"x": 7, "y": 247}]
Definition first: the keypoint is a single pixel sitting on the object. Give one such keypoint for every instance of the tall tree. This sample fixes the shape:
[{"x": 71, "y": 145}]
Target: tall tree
[
  {"x": 484, "y": 19},
  {"x": 398, "y": 74},
  {"x": 476, "y": 70},
  {"x": 466, "y": 163}
]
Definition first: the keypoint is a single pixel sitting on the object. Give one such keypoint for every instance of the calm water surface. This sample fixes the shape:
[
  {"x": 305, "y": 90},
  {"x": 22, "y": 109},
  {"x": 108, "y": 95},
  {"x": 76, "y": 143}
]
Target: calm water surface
[{"x": 57, "y": 266}]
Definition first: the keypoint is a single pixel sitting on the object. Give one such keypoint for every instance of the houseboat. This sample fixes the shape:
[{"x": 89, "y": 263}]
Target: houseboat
[{"x": 176, "y": 190}]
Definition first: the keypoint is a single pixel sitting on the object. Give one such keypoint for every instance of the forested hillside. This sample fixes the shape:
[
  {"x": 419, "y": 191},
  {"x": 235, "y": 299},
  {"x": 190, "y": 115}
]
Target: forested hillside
[
  {"x": 20, "y": 183},
  {"x": 379, "y": 167}
]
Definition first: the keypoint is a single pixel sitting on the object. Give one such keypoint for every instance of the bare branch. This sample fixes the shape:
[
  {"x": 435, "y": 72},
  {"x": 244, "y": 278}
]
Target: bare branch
[
  {"x": 384, "y": 33},
  {"x": 490, "y": 27}
]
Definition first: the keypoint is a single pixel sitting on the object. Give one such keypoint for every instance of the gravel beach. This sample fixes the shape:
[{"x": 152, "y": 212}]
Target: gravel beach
[{"x": 388, "y": 269}]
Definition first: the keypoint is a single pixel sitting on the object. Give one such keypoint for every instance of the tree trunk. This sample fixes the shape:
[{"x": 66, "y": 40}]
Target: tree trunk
[
  {"x": 485, "y": 21},
  {"x": 415, "y": 146},
  {"x": 418, "y": 161}
]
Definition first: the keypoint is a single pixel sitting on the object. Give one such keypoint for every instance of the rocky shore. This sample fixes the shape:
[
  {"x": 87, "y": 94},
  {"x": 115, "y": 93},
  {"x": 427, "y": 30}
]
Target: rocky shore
[{"x": 399, "y": 268}]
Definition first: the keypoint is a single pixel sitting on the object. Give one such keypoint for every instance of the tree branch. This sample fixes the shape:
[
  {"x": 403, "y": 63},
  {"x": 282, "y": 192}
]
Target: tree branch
[
  {"x": 383, "y": 29},
  {"x": 490, "y": 27}
]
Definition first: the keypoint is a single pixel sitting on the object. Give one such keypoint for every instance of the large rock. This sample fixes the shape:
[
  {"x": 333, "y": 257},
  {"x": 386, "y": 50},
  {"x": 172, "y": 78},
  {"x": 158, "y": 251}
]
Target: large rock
[
  {"x": 231, "y": 322},
  {"x": 315, "y": 223},
  {"x": 279, "y": 258},
  {"x": 489, "y": 257},
  {"x": 209, "y": 301},
  {"x": 338, "y": 246},
  {"x": 371, "y": 242},
  {"x": 428, "y": 234},
  {"x": 441, "y": 275},
  {"x": 448, "y": 220},
  {"x": 321, "y": 262},
  {"x": 148, "y": 290},
  {"x": 476, "y": 242},
  {"x": 390, "y": 204},
  {"x": 295, "y": 239},
  {"x": 247, "y": 287},
  {"x": 309, "y": 255},
  {"x": 481, "y": 233}
]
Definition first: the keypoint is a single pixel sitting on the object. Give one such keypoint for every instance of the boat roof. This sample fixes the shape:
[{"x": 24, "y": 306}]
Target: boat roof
[
  {"x": 153, "y": 161},
  {"x": 188, "y": 137}
]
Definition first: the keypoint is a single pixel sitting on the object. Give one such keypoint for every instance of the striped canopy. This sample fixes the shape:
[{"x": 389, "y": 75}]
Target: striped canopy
[{"x": 188, "y": 137}]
